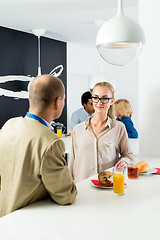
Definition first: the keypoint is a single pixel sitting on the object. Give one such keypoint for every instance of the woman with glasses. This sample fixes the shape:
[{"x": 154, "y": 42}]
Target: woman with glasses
[{"x": 101, "y": 141}]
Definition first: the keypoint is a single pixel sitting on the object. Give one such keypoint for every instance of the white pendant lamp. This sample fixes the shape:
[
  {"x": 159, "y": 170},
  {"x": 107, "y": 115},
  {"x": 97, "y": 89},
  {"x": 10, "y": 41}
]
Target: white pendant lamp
[
  {"x": 39, "y": 32},
  {"x": 120, "y": 39}
]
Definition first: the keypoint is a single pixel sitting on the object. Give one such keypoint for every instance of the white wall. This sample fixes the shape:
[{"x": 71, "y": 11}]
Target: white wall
[
  {"x": 80, "y": 62},
  {"x": 149, "y": 84}
]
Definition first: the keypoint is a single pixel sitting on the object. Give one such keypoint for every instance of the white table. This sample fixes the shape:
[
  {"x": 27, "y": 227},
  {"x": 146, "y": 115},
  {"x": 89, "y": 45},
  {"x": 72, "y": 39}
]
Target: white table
[
  {"x": 68, "y": 143},
  {"x": 95, "y": 214}
]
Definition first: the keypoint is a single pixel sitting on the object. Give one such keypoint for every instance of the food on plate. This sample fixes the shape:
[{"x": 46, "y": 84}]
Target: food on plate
[
  {"x": 105, "y": 178},
  {"x": 143, "y": 166}
]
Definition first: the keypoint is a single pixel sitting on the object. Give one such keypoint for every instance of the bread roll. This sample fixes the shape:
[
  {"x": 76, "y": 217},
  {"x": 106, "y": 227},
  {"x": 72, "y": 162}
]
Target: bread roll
[
  {"x": 105, "y": 177},
  {"x": 143, "y": 166}
]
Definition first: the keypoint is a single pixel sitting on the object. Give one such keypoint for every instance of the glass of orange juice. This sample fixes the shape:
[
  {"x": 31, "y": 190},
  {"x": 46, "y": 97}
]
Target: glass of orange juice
[
  {"x": 59, "y": 131},
  {"x": 118, "y": 181}
]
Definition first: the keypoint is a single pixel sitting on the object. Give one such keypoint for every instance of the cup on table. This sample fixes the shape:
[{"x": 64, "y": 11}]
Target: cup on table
[
  {"x": 118, "y": 181},
  {"x": 59, "y": 131},
  {"x": 133, "y": 171}
]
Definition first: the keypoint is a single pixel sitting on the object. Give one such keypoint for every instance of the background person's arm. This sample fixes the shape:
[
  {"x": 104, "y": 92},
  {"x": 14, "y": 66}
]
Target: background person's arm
[{"x": 132, "y": 132}]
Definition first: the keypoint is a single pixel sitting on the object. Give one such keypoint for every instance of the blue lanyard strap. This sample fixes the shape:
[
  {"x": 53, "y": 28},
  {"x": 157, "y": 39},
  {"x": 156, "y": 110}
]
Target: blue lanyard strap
[{"x": 31, "y": 115}]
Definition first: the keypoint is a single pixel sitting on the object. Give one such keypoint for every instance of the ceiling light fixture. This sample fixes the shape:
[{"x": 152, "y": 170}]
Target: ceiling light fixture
[
  {"x": 39, "y": 33},
  {"x": 120, "y": 39}
]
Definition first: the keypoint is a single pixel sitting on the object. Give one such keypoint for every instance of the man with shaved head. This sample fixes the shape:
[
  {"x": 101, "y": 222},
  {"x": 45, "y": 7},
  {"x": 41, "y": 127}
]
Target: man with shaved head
[{"x": 32, "y": 157}]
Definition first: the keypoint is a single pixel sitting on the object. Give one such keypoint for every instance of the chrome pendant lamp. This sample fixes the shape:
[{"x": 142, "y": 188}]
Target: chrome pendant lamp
[{"x": 120, "y": 39}]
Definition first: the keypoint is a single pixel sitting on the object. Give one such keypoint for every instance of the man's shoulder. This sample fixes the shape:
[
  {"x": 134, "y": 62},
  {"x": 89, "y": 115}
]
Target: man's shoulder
[
  {"x": 14, "y": 120},
  {"x": 29, "y": 126},
  {"x": 78, "y": 111}
]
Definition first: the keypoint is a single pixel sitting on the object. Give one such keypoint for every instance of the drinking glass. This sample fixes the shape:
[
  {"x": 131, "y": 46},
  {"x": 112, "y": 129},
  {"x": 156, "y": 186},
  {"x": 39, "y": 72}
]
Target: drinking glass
[
  {"x": 59, "y": 131},
  {"x": 133, "y": 171},
  {"x": 118, "y": 181}
]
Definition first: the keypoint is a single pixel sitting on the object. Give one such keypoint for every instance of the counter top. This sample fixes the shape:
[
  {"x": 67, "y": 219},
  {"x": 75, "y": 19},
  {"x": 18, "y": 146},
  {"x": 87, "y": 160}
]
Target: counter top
[
  {"x": 95, "y": 214},
  {"x": 68, "y": 143}
]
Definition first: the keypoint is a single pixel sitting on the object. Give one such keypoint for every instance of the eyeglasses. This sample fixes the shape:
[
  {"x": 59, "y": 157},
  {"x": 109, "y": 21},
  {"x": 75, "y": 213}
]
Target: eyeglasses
[{"x": 103, "y": 99}]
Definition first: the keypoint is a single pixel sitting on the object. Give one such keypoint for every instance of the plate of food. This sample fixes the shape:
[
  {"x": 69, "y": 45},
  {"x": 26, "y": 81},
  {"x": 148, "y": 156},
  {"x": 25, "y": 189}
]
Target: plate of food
[
  {"x": 105, "y": 180},
  {"x": 150, "y": 171},
  {"x": 97, "y": 184},
  {"x": 144, "y": 168}
]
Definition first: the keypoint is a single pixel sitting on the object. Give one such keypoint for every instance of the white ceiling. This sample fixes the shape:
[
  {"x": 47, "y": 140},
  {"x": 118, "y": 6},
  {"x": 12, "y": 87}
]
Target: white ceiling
[{"x": 65, "y": 20}]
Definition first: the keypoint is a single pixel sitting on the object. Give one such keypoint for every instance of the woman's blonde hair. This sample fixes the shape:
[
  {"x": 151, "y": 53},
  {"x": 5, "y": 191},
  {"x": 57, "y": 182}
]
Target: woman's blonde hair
[
  {"x": 108, "y": 85},
  {"x": 123, "y": 106}
]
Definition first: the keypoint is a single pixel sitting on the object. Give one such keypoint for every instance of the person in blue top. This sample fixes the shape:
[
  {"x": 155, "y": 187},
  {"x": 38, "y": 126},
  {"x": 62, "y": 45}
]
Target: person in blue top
[
  {"x": 123, "y": 112},
  {"x": 83, "y": 113}
]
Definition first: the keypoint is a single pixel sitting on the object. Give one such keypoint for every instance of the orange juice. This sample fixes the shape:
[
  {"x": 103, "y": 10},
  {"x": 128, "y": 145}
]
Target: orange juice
[
  {"x": 59, "y": 132},
  {"x": 118, "y": 183}
]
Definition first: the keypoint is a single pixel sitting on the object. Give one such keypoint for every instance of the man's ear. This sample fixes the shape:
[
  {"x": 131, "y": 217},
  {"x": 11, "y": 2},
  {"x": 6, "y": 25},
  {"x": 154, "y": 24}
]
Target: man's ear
[
  {"x": 84, "y": 105},
  {"x": 56, "y": 103}
]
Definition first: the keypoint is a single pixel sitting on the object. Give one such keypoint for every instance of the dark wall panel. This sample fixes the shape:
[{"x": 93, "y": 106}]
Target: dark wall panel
[{"x": 19, "y": 58}]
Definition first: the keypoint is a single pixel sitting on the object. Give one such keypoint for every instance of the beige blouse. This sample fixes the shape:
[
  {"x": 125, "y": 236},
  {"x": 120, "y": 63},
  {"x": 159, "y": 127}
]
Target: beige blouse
[{"x": 91, "y": 154}]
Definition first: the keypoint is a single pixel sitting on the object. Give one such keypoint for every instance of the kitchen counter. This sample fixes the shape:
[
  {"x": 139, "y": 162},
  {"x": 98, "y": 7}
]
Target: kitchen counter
[{"x": 95, "y": 214}]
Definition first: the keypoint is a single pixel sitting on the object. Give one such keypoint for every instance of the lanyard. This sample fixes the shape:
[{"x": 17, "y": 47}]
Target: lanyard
[{"x": 31, "y": 115}]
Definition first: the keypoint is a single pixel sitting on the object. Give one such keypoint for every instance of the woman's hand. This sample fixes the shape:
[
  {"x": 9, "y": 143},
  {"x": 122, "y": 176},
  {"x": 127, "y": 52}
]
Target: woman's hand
[{"x": 121, "y": 164}]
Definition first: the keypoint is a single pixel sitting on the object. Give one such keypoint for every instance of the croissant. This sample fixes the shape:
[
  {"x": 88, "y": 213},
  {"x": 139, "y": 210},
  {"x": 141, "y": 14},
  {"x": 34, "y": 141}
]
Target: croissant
[{"x": 143, "y": 166}]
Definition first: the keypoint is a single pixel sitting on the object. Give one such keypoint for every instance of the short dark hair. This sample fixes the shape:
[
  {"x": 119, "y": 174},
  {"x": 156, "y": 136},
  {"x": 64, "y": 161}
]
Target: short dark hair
[{"x": 85, "y": 96}]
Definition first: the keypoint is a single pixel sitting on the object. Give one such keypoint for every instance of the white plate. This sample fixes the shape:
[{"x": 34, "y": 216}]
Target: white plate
[
  {"x": 101, "y": 186},
  {"x": 150, "y": 171}
]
